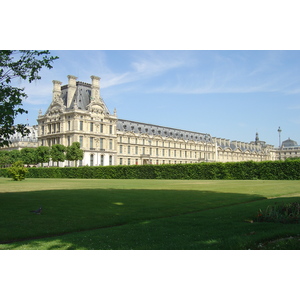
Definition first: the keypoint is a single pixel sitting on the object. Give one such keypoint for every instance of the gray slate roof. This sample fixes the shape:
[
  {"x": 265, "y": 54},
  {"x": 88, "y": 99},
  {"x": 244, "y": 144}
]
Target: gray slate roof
[{"x": 150, "y": 129}]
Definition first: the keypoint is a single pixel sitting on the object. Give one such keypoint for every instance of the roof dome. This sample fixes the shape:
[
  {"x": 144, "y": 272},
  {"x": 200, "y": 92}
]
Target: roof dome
[{"x": 289, "y": 143}]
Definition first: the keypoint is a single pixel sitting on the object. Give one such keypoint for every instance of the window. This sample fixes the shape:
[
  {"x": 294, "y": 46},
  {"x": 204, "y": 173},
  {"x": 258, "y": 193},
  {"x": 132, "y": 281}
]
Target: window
[
  {"x": 91, "y": 126},
  {"x": 101, "y": 143},
  {"x": 102, "y": 160},
  {"x": 121, "y": 149},
  {"x": 110, "y": 160},
  {"x": 128, "y": 150},
  {"x": 69, "y": 125},
  {"x": 81, "y": 125},
  {"x": 110, "y": 129},
  {"x": 92, "y": 160},
  {"x": 101, "y": 128},
  {"x": 91, "y": 143},
  {"x": 121, "y": 161},
  {"x": 136, "y": 150},
  {"x": 81, "y": 141},
  {"x": 156, "y": 151},
  {"x": 128, "y": 162},
  {"x": 110, "y": 144},
  {"x": 69, "y": 140}
]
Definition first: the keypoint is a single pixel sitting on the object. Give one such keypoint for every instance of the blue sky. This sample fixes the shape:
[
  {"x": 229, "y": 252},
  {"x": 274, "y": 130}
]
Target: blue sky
[{"x": 228, "y": 94}]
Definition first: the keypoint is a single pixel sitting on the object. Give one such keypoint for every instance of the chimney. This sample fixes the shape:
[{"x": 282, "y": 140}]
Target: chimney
[
  {"x": 71, "y": 89},
  {"x": 95, "y": 95},
  {"x": 56, "y": 89}
]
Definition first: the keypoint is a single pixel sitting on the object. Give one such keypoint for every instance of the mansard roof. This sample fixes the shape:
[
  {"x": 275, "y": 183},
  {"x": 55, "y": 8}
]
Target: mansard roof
[
  {"x": 82, "y": 96},
  {"x": 143, "y": 128}
]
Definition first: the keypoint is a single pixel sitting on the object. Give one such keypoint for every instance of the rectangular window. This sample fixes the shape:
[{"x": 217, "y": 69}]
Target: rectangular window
[
  {"x": 121, "y": 149},
  {"x": 101, "y": 143},
  {"x": 81, "y": 125},
  {"x": 110, "y": 144},
  {"x": 69, "y": 125},
  {"x": 91, "y": 143},
  {"x": 110, "y": 160},
  {"x": 91, "y": 127},
  {"x": 81, "y": 141},
  {"x": 128, "y": 150},
  {"x": 102, "y": 160},
  {"x": 69, "y": 140},
  {"x": 128, "y": 161},
  {"x": 92, "y": 160},
  {"x": 136, "y": 150},
  {"x": 110, "y": 129},
  {"x": 101, "y": 128},
  {"x": 121, "y": 161},
  {"x": 156, "y": 151}
]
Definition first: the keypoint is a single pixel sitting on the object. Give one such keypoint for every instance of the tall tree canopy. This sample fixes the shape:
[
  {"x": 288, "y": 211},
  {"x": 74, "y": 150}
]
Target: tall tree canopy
[{"x": 25, "y": 65}]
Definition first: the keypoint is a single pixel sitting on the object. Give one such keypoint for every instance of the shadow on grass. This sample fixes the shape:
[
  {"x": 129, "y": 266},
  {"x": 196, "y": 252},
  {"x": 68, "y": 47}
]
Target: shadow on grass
[{"x": 133, "y": 219}]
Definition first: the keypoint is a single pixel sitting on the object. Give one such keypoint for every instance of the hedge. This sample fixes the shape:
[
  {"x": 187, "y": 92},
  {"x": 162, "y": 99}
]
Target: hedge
[{"x": 249, "y": 170}]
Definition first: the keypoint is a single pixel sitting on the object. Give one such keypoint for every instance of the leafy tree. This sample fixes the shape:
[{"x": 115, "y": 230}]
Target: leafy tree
[
  {"x": 14, "y": 155},
  {"x": 21, "y": 64},
  {"x": 17, "y": 171},
  {"x": 74, "y": 153},
  {"x": 43, "y": 154},
  {"x": 58, "y": 153},
  {"x": 4, "y": 158},
  {"x": 28, "y": 156}
]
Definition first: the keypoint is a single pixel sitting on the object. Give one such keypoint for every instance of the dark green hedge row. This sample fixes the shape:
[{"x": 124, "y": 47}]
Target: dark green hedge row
[{"x": 267, "y": 170}]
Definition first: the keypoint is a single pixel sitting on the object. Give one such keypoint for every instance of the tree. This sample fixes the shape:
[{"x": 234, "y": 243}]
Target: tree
[
  {"x": 28, "y": 156},
  {"x": 74, "y": 153},
  {"x": 17, "y": 171},
  {"x": 58, "y": 153},
  {"x": 43, "y": 154},
  {"x": 21, "y": 64},
  {"x": 14, "y": 155},
  {"x": 4, "y": 158}
]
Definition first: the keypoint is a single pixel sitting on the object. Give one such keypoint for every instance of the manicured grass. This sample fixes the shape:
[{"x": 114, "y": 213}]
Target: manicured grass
[{"x": 141, "y": 214}]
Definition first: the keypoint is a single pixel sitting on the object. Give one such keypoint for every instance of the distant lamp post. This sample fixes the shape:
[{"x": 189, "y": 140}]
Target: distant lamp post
[{"x": 279, "y": 133}]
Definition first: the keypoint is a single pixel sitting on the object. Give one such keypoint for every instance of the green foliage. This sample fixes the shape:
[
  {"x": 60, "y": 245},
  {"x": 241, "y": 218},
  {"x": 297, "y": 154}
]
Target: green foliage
[
  {"x": 57, "y": 153},
  {"x": 25, "y": 65},
  {"x": 269, "y": 170},
  {"x": 74, "y": 153},
  {"x": 17, "y": 171},
  {"x": 4, "y": 158},
  {"x": 43, "y": 154},
  {"x": 282, "y": 213},
  {"x": 29, "y": 156}
]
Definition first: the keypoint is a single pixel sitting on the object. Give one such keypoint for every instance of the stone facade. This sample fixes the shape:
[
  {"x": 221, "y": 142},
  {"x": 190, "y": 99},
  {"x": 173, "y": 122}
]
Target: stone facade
[
  {"x": 77, "y": 113},
  {"x": 289, "y": 149}
]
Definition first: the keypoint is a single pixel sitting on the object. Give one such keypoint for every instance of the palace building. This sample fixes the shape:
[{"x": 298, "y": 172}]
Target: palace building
[{"x": 77, "y": 113}]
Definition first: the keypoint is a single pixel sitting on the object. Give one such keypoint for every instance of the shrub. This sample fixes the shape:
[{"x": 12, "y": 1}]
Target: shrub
[
  {"x": 283, "y": 213},
  {"x": 17, "y": 171}
]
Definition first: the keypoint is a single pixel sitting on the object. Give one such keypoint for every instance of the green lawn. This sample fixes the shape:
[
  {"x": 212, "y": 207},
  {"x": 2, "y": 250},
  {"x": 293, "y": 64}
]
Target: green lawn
[{"x": 143, "y": 214}]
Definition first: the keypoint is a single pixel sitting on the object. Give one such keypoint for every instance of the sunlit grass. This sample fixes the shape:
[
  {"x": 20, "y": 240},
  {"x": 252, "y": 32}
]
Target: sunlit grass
[{"x": 140, "y": 214}]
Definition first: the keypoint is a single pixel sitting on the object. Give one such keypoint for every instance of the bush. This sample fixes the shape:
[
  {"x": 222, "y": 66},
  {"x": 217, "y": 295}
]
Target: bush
[
  {"x": 249, "y": 170},
  {"x": 283, "y": 213},
  {"x": 17, "y": 171}
]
